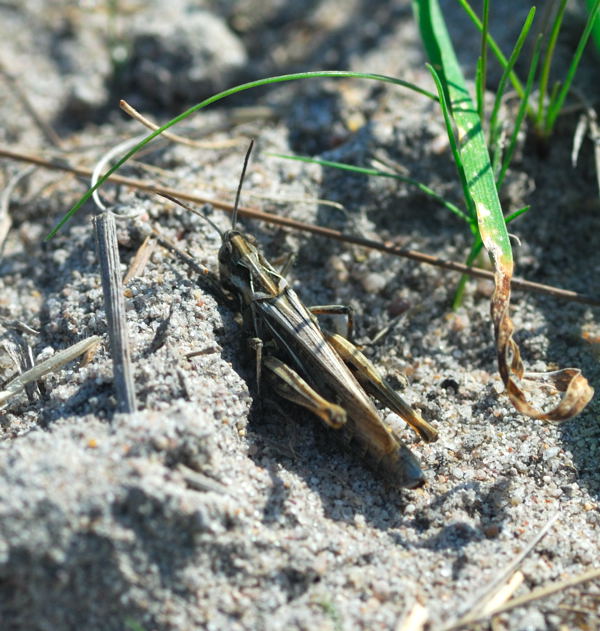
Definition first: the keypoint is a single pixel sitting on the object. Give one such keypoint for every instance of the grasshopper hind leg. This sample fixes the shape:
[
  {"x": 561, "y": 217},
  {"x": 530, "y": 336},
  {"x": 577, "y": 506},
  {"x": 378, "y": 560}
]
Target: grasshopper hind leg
[
  {"x": 288, "y": 384},
  {"x": 373, "y": 382},
  {"x": 400, "y": 467}
]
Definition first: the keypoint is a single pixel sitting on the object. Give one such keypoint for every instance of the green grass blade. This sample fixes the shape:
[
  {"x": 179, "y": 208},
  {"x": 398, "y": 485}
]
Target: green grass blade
[
  {"x": 512, "y": 145},
  {"x": 222, "y": 95},
  {"x": 473, "y": 158},
  {"x": 516, "y": 83},
  {"x": 547, "y": 63},
  {"x": 595, "y": 25},
  {"x": 377, "y": 172},
  {"x": 482, "y": 61},
  {"x": 476, "y": 248},
  {"x": 479, "y": 87},
  {"x": 512, "y": 60},
  {"x": 445, "y": 107},
  {"x": 557, "y": 103},
  {"x": 517, "y": 213}
]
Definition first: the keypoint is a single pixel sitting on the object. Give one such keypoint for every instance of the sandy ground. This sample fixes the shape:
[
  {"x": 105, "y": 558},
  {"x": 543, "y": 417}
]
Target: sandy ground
[{"x": 211, "y": 508}]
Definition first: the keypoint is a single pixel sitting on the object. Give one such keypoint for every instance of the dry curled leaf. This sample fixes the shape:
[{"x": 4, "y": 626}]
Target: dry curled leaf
[{"x": 574, "y": 387}]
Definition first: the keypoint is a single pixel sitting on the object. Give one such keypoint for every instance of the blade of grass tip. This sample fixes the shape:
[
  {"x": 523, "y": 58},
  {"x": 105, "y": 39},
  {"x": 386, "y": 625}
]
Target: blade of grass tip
[
  {"x": 556, "y": 105},
  {"x": 377, "y": 172},
  {"x": 341, "y": 74},
  {"x": 516, "y": 83},
  {"x": 482, "y": 62},
  {"x": 478, "y": 171},
  {"x": 547, "y": 63},
  {"x": 512, "y": 60},
  {"x": 512, "y": 144}
]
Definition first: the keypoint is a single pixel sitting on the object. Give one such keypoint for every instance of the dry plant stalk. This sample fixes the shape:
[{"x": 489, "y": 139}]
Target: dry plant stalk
[
  {"x": 198, "y": 144},
  {"x": 52, "y": 364},
  {"x": 503, "y": 594},
  {"x": 547, "y": 590},
  {"x": 503, "y": 585},
  {"x": 114, "y": 304}
]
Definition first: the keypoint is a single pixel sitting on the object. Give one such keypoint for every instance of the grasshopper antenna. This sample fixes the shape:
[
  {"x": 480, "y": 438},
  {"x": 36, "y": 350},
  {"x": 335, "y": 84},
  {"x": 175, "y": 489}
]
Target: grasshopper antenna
[
  {"x": 192, "y": 210},
  {"x": 234, "y": 214}
]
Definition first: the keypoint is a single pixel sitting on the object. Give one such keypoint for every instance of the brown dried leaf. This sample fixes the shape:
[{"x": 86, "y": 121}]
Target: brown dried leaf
[{"x": 574, "y": 387}]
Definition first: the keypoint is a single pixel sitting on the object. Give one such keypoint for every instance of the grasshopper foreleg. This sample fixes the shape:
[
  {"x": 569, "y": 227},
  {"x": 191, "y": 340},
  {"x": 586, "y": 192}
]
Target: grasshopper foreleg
[
  {"x": 290, "y": 385},
  {"x": 373, "y": 382}
]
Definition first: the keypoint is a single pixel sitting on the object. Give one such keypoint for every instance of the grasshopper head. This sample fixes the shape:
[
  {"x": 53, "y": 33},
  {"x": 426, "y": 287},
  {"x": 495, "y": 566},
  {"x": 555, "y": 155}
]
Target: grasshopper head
[
  {"x": 244, "y": 268},
  {"x": 233, "y": 251}
]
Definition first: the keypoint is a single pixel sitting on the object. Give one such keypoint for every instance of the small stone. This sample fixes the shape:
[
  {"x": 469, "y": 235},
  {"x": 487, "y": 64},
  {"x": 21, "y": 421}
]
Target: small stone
[
  {"x": 459, "y": 322},
  {"x": 339, "y": 271},
  {"x": 381, "y": 591},
  {"x": 373, "y": 283},
  {"x": 397, "y": 306},
  {"x": 485, "y": 288},
  {"x": 491, "y": 531},
  {"x": 551, "y": 452}
]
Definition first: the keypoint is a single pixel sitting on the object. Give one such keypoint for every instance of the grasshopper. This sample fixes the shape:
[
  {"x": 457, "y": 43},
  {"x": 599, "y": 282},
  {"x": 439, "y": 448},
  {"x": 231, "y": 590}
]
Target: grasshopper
[{"x": 322, "y": 372}]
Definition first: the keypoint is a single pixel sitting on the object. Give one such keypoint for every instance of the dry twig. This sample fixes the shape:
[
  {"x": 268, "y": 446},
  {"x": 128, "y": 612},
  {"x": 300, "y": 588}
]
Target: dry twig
[
  {"x": 546, "y": 590},
  {"x": 387, "y": 247},
  {"x": 140, "y": 259},
  {"x": 182, "y": 140}
]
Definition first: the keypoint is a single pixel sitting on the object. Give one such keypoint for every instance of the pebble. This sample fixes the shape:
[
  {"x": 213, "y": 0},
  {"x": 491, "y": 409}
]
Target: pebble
[
  {"x": 373, "y": 282},
  {"x": 397, "y": 306},
  {"x": 491, "y": 531}
]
